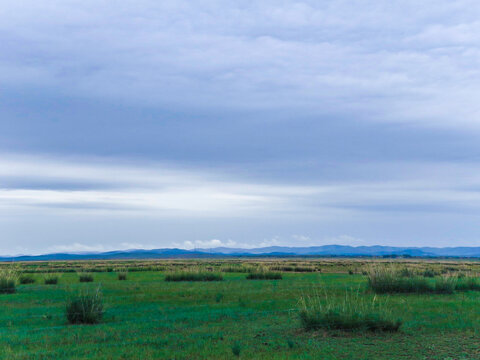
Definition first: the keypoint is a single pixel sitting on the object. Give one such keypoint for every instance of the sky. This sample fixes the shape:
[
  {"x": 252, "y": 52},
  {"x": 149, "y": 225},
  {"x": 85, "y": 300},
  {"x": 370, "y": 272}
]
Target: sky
[{"x": 196, "y": 124}]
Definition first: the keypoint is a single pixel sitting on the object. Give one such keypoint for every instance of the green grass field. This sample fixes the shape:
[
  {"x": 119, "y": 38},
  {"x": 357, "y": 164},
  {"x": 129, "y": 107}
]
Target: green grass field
[{"x": 149, "y": 318}]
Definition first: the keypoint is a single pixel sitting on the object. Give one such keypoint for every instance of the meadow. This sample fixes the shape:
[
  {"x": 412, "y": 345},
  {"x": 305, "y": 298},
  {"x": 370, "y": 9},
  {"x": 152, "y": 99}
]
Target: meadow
[{"x": 217, "y": 313}]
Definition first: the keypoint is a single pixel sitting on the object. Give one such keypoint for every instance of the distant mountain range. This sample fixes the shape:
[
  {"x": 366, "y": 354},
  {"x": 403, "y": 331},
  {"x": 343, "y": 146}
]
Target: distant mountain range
[{"x": 325, "y": 250}]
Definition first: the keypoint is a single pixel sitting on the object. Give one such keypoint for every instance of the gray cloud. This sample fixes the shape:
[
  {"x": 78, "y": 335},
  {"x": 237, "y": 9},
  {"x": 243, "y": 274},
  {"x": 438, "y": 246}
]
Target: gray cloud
[
  {"x": 397, "y": 62},
  {"x": 226, "y": 122}
]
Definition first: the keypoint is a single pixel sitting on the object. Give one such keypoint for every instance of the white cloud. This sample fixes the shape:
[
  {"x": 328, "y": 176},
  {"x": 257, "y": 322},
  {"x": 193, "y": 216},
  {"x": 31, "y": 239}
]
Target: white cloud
[
  {"x": 33, "y": 183},
  {"x": 206, "y": 244},
  {"x": 80, "y": 247}
]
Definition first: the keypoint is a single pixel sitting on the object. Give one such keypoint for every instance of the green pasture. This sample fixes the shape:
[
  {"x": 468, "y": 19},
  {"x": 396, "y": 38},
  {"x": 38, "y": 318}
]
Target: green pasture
[{"x": 149, "y": 318}]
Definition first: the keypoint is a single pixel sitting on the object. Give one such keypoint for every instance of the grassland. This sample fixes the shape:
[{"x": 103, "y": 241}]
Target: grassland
[{"x": 147, "y": 317}]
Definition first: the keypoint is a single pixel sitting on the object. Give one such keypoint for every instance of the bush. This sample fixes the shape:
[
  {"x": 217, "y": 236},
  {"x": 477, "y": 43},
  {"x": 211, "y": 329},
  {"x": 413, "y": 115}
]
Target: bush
[
  {"x": 86, "y": 278},
  {"x": 352, "y": 313},
  {"x": 7, "y": 281},
  {"x": 264, "y": 276},
  {"x": 122, "y": 275},
  {"x": 50, "y": 279},
  {"x": 193, "y": 276},
  {"x": 26, "y": 279},
  {"x": 85, "y": 308}
]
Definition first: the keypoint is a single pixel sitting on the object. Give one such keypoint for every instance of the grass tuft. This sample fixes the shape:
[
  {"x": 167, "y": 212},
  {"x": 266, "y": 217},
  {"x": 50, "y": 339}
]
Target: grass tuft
[
  {"x": 267, "y": 275},
  {"x": 236, "y": 349},
  {"x": 429, "y": 273},
  {"x": 85, "y": 308},
  {"x": 26, "y": 279},
  {"x": 350, "y": 313},
  {"x": 50, "y": 279},
  {"x": 383, "y": 280},
  {"x": 193, "y": 276},
  {"x": 8, "y": 279},
  {"x": 85, "y": 277},
  {"x": 467, "y": 283},
  {"x": 122, "y": 275}
]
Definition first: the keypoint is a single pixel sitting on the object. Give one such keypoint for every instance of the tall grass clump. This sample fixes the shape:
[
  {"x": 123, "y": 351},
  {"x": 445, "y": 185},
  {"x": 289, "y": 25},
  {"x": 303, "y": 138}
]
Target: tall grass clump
[
  {"x": 236, "y": 269},
  {"x": 292, "y": 268},
  {"x": 8, "y": 279},
  {"x": 193, "y": 276},
  {"x": 445, "y": 285},
  {"x": 86, "y": 307},
  {"x": 429, "y": 273},
  {"x": 264, "y": 275},
  {"x": 236, "y": 349},
  {"x": 351, "y": 312},
  {"x": 467, "y": 283},
  {"x": 26, "y": 279},
  {"x": 50, "y": 279},
  {"x": 85, "y": 277},
  {"x": 383, "y": 280}
]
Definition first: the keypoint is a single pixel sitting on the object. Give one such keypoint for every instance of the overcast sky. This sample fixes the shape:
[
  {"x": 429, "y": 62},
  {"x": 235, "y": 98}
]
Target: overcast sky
[{"x": 149, "y": 124}]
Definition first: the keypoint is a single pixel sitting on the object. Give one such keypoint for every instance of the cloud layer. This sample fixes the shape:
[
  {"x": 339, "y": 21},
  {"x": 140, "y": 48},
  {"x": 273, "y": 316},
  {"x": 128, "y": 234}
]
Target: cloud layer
[
  {"x": 47, "y": 192},
  {"x": 400, "y": 61},
  {"x": 161, "y": 123}
]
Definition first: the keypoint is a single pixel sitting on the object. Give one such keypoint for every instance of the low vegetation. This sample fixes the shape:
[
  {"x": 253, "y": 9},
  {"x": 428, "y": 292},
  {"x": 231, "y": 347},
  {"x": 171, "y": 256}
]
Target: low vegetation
[
  {"x": 85, "y": 277},
  {"x": 50, "y": 279},
  {"x": 26, "y": 279},
  {"x": 122, "y": 275},
  {"x": 383, "y": 280},
  {"x": 8, "y": 279},
  {"x": 235, "y": 318},
  {"x": 267, "y": 275},
  {"x": 467, "y": 283},
  {"x": 351, "y": 313},
  {"x": 86, "y": 307},
  {"x": 193, "y": 276},
  {"x": 292, "y": 268}
]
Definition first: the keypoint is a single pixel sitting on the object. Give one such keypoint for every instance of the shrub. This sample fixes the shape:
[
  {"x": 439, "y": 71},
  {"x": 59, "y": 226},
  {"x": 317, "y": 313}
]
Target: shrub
[
  {"x": 264, "y": 276},
  {"x": 50, "y": 279},
  {"x": 85, "y": 307},
  {"x": 8, "y": 279},
  {"x": 122, "y": 275},
  {"x": 193, "y": 276},
  {"x": 352, "y": 313},
  {"x": 26, "y": 279},
  {"x": 86, "y": 277}
]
